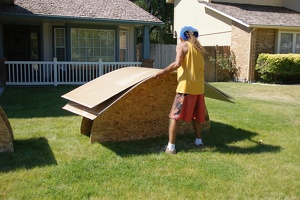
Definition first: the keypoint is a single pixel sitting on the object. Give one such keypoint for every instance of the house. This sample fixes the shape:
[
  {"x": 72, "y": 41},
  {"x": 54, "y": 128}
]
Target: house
[
  {"x": 249, "y": 27},
  {"x": 76, "y": 30}
]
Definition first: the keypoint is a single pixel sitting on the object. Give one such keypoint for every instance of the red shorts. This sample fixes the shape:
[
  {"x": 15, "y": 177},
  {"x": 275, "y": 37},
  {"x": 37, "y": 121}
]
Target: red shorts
[{"x": 187, "y": 107}]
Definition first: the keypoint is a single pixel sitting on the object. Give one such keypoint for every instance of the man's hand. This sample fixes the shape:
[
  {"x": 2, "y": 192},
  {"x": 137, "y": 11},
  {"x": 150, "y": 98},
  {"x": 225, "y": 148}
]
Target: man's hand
[{"x": 160, "y": 74}]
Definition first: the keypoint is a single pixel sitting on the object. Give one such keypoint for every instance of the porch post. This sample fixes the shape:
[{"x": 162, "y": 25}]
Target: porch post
[
  {"x": 100, "y": 67},
  {"x": 146, "y": 43},
  {"x": 146, "y": 61},
  {"x": 55, "y": 71},
  {"x": 2, "y": 72}
]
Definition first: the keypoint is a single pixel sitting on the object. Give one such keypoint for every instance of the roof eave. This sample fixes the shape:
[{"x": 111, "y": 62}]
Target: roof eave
[
  {"x": 274, "y": 27},
  {"x": 226, "y": 15},
  {"x": 85, "y": 19},
  {"x": 251, "y": 25}
]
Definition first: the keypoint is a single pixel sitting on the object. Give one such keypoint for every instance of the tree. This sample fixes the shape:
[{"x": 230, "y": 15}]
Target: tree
[{"x": 164, "y": 12}]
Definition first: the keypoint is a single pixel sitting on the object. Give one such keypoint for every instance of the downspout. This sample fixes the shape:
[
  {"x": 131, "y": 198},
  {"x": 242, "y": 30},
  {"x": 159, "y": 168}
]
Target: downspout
[{"x": 250, "y": 57}]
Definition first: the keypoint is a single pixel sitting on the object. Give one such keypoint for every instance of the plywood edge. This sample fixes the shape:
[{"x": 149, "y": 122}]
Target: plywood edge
[
  {"x": 214, "y": 93},
  {"x": 80, "y": 110},
  {"x": 106, "y": 86}
]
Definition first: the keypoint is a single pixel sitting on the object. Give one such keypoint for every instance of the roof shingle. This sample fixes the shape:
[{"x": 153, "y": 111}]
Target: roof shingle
[
  {"x": 257, "y": 15},
  {"x": 123, "y": 10}
]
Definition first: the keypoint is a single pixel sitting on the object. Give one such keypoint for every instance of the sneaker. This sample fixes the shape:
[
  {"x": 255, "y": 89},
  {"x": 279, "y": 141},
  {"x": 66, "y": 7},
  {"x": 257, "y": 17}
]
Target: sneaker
[
  {"x": 166, "y": 150},
  {"x": 200, "y": 146},
  {"x": 170, "y": 151}
]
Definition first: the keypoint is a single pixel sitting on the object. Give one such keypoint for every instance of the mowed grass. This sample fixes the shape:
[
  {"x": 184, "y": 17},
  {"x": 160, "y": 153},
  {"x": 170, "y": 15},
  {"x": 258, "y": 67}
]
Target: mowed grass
[{"x": 252, "y": 151}]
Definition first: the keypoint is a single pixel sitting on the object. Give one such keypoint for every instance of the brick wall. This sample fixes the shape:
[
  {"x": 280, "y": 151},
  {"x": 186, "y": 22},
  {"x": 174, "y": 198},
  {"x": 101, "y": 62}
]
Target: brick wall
[
  {"x": 240, "y": 43},
  {"x": 263, "y": 41}
]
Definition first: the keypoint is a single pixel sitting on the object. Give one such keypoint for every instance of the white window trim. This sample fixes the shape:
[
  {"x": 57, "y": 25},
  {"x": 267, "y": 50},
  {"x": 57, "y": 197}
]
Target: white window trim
[
  {"x": 294, "y": 40},
  {"x": 127, "y": 44}
]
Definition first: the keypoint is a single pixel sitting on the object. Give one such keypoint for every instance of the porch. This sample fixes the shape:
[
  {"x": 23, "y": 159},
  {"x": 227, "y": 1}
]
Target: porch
[{"x": 58, "y": 73}]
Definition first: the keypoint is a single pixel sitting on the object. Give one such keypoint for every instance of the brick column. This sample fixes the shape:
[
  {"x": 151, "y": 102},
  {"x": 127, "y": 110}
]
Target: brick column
[
  {"x": 2, "y": 72},
  {"x": 147, "y": 63}
]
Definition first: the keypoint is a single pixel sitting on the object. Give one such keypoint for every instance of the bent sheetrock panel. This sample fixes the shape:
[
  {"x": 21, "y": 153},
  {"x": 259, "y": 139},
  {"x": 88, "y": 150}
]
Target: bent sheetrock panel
[{"x": 108, "y": 85}]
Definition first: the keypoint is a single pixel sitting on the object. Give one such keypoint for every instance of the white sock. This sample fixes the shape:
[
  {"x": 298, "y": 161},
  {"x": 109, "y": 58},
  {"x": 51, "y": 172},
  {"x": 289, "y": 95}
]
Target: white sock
[
  {"x": 198, "y": 141},
  {"x": 171, "y": 146}
]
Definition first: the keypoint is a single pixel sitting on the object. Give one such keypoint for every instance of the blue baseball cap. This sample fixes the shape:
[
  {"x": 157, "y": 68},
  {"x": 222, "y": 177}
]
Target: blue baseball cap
[{"x": 188, "y": 28}]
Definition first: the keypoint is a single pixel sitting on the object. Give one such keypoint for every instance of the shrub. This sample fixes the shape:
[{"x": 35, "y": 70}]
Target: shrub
[
  {"x": 227, "y": 70},
  {"x": 279, "y": 68}
]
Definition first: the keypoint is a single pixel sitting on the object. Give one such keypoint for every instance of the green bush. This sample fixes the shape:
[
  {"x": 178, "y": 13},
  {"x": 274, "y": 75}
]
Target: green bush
[
  {"x": 279, "y": 68},
  {"x": 227, "y": 70}
]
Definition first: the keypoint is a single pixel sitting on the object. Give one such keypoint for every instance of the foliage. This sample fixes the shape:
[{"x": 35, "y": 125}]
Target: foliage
[
  {"x": 279, "y": 68},
  {"x": 227, "y": 70},
  {"x": 251, "y": 151},
  {"x": 163, "y": 11}
]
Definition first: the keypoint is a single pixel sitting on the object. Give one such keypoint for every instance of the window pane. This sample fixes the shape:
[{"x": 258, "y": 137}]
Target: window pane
[
  {"x": 286, "y": 43},
  {"x": 82, "y": 52},
  {"x": 93, "y": 44},
  {"x": 90, "y": 34},
  {"x": 60, "y": 49},
  {"x": 122, "y": 55},
  {"x": 297, "y": 48},
  {"x": 122, "y": 40},
  {"x": 60, "y": 54},
  {"x": 123, "y": 46}
]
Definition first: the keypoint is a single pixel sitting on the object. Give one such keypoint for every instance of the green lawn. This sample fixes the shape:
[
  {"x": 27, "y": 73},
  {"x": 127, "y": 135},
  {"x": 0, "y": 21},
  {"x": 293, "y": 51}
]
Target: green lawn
[{"x": 252, "y": 151}]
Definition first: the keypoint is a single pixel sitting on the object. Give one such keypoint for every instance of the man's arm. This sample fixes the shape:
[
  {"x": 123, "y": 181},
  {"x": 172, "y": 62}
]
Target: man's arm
[{"x": 180, "y": 53}]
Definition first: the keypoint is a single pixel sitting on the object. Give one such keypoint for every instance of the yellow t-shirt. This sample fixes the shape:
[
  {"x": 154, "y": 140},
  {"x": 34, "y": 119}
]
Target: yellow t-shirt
[{"x": 190, "y": 75}]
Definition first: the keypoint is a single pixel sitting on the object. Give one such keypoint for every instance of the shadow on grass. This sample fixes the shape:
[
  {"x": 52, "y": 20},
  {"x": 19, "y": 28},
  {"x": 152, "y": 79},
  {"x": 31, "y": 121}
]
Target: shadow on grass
[
  {"x": 28, "y": 154},
  {"x": 220, "y": 138},
  {"x": 35, "y": 101}
]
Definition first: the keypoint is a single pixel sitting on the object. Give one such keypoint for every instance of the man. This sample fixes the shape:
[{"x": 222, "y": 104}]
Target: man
[{"x": 189, "y": 100}]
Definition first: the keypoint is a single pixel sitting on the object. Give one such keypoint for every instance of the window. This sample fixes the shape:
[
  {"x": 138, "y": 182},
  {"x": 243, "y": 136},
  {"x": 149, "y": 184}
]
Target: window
[
  {"x": 123, "y": 46},
  {"x": 92, "y": 44},
  {"x": 289, "y": 42},
  {"x": 60, "y": 47},
  {"x": 34, "y": 43}
]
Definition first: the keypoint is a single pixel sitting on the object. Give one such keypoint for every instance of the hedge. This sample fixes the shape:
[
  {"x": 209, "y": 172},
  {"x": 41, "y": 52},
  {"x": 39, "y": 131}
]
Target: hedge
[{"x": 279, "y": 68}]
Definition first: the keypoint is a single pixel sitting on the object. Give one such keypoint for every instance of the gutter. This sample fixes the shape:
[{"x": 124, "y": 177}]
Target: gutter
[
  {"x": 83, "y": 19},
  {"x": 226, "y": 15},
  {"x": 251, "y": 25}
]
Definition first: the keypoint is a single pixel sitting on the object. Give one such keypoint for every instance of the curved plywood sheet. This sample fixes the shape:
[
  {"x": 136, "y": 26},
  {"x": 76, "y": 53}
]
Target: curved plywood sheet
[
  {"x": 100, "y": 89},
  {"x": 6, "y": 133},
  {"x": 140, "y": 113},
  {"x": 128, "y": 104}
]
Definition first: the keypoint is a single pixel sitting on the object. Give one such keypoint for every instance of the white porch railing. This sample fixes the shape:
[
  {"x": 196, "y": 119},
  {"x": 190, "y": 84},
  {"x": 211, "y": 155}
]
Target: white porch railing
[{"x": 59, "y": 73}]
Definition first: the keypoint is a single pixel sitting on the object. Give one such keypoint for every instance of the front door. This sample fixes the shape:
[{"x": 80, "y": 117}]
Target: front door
[{"x": 21, "y": 43}]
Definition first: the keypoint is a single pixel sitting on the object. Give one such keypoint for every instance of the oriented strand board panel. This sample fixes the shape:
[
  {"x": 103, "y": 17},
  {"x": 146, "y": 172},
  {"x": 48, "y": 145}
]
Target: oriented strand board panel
[
  {"x": 139, "y": 114},
  {"x": 94, "y": 97},
  {"x": 129, "y": 104},
  {"x": 6, "y": 133},
  {"x": 215, "y": 93}
]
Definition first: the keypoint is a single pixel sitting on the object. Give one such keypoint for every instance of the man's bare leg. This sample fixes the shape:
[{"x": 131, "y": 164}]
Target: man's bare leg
[
  {"x": 172, "y": 137},
  {"x": 197, "y": 128},
  {"x": 172, "y": 131}
]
